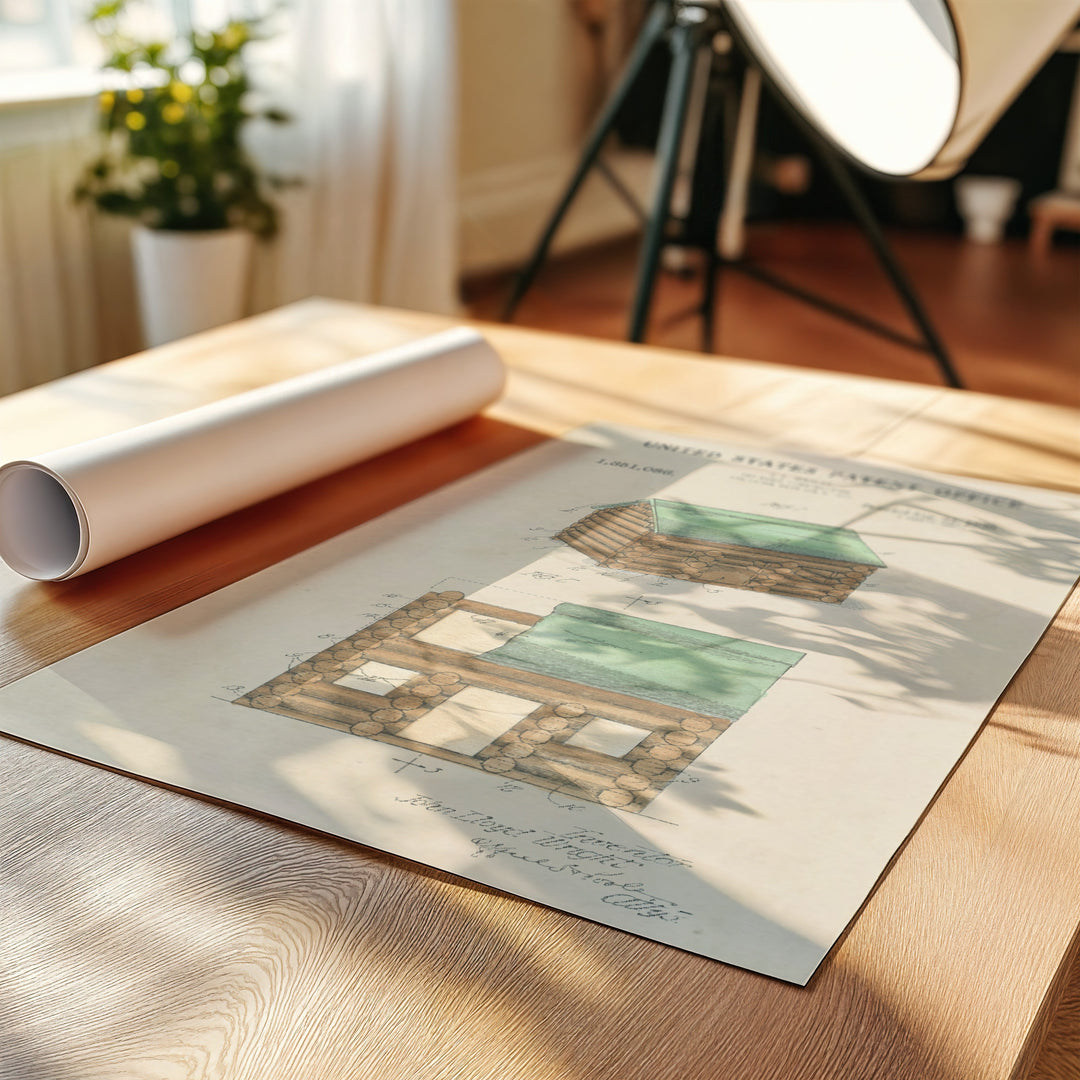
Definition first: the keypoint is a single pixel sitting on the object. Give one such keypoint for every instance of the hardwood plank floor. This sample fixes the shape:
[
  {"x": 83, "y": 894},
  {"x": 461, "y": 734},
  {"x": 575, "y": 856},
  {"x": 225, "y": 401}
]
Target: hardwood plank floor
[{"x": 1010, "y": 320}]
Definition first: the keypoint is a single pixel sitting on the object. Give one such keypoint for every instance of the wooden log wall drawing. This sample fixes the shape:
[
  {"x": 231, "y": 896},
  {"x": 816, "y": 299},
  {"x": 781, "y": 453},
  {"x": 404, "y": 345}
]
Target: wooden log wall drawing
[
  {"x": 627, "y": 537},
  {"x": 538, "y": 749}
]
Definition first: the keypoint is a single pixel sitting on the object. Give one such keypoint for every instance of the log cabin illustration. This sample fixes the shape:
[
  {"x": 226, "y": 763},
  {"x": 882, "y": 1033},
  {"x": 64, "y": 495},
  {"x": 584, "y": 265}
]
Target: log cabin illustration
[
  {"x": 593, "y": 704},
  {"x": 723, "y": 547}
]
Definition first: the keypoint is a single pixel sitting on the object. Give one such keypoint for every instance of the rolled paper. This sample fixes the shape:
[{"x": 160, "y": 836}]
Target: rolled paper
[{"x": 69, "y": 511}]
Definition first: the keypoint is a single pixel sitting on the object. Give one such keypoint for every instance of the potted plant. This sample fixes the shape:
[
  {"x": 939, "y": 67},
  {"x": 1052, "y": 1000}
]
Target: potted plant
[{"x": 172, "y": 158}]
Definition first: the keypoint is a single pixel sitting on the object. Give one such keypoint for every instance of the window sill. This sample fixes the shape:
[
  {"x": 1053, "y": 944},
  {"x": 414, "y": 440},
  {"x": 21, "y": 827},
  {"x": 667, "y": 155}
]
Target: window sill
[
  {"x": 54, "y": 86},
  {"x": 47, "y": 87}
]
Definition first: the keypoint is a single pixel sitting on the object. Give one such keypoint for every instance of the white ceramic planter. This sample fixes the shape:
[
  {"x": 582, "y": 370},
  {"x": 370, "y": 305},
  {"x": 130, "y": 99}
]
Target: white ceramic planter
[
  {"x": 189, "y": 281},
  {"x": 986, "y": 203}
]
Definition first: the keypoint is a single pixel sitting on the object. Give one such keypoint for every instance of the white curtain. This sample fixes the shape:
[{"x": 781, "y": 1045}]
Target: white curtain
[
  {"x": 372, "y": 88},
  {"x": 49, "y": 302}
]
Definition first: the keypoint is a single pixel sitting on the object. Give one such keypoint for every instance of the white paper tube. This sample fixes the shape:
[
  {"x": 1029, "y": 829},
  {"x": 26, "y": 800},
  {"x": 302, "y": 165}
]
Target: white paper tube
[{"x": 72, "y": 510}]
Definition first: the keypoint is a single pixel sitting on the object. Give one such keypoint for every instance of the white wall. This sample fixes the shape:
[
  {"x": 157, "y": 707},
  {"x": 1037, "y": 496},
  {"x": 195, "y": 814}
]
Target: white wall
[{"x": 527, "y": 91}]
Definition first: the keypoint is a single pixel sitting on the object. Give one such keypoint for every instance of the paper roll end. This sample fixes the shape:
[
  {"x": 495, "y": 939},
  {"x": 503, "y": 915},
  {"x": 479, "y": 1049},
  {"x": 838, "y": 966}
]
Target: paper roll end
[{"x": 42, "y": 531}]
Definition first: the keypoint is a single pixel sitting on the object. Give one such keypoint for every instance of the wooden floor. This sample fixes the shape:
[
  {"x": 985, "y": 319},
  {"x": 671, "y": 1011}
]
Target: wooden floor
[{"x": 1010, "y": 320}]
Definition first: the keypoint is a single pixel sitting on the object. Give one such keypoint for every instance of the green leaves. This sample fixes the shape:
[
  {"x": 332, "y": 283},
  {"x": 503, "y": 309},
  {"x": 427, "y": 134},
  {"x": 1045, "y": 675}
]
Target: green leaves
[
  {"x": 107, "y": 10},
  {"x": 172, "y": 155}
]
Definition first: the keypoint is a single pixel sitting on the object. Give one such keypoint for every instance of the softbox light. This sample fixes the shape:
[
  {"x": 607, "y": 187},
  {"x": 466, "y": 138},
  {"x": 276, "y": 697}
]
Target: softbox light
[{"x": 906, "y": 88}]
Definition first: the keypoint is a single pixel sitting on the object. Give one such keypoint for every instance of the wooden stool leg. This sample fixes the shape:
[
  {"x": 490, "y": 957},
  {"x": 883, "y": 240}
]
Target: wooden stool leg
[{"x": 1042, "y": 232}]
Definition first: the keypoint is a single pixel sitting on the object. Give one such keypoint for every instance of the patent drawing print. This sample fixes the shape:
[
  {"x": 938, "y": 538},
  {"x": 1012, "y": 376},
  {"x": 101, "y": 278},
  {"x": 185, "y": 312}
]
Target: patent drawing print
[
  {"x": 724, "y": 547},
  {"x": 590, "y": 703}
]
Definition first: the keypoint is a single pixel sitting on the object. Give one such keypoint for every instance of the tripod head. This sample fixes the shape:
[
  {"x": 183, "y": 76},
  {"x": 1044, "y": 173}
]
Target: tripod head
[{"x": 705, "y": 15}]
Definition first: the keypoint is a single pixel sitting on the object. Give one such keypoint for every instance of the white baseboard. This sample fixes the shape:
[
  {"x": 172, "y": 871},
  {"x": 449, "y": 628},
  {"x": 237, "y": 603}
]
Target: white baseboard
[{"x": 503, "y": 209}]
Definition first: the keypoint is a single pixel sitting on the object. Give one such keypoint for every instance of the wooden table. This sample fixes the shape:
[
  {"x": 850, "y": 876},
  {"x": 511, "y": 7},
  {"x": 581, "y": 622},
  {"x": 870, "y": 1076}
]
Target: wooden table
[{"x": 149, "y": 934}]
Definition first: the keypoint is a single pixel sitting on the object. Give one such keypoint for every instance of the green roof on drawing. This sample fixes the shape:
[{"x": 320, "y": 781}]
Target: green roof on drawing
[
  {"x": 688, "y": 669},
  {"x": 757, "y": 531}
]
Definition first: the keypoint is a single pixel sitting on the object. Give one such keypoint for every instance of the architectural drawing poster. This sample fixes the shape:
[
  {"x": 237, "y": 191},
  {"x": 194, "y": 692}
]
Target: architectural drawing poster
[{"x": 694, "y": 692}]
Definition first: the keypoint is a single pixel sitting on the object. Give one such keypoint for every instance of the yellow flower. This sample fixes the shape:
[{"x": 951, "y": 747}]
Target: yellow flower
[
  {"x": 135, "y": 96},
  {"x": 181, "y": 91},
  {"x": 170, "y": 168},
  {"x": 172, "y": 113},
  {"x": 106, "y": 100},
  {"x": 135, "y": 121},
  {"x": 233, "y": 36}
]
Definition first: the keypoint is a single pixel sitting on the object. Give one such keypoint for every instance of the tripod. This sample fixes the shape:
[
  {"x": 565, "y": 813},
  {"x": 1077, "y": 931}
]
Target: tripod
[{"x": 690, "y": 27}]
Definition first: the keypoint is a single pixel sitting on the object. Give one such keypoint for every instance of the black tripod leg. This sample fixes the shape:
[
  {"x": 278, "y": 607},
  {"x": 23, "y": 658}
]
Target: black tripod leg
[
  {"x": 729, "y": 117},
  {"x": 654, "y": 28},
  {"x": 882, "y": 249},
  {"x": 685, "y": 40},
  {"x": 709, "y": 301}
]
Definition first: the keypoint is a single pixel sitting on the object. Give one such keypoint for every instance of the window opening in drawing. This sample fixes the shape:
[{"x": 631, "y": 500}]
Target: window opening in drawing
[
  {"x": 470, "y": 720},
  {"x": 375, "y": 678},
  {"x": 470, "y": 632},
  {"x": 608, "y": 737}
]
